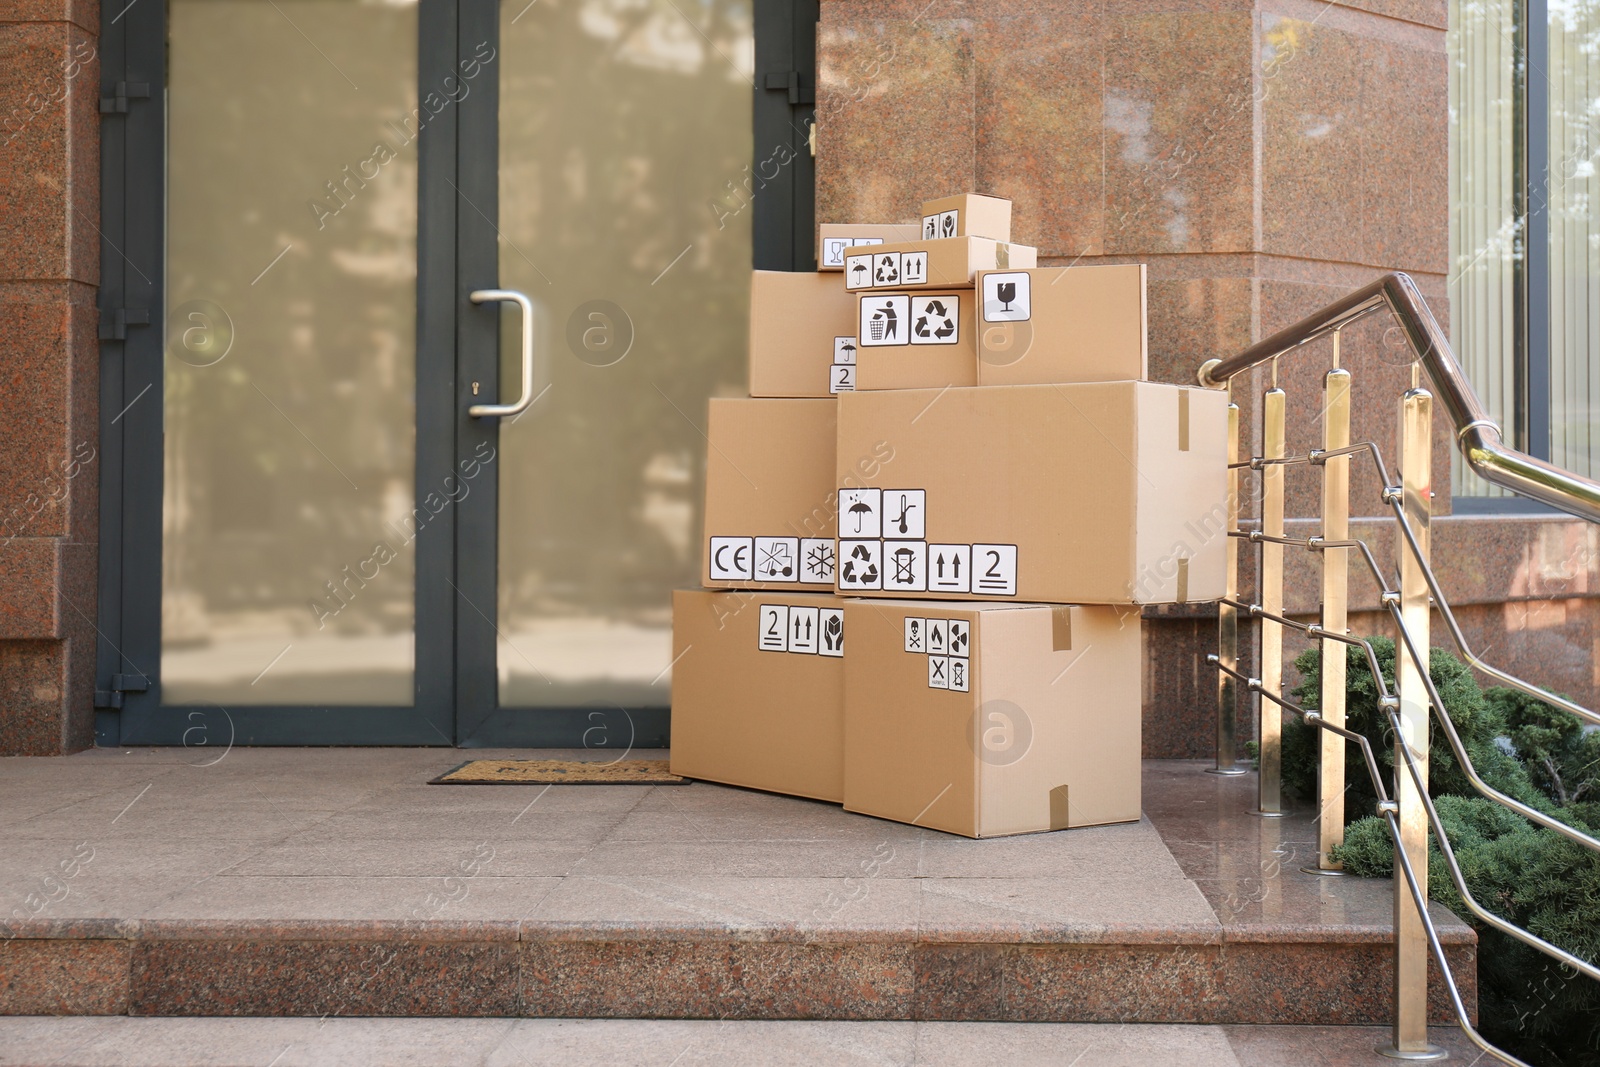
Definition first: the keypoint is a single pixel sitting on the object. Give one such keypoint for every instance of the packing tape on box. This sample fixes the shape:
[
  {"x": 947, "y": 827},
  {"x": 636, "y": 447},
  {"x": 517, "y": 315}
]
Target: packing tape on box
[{"x": 1061, "y": 628}]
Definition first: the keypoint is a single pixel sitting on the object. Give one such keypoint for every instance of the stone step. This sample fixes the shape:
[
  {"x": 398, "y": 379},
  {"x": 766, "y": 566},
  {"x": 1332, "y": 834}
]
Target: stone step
[
  {"x": 332, "y": 883},
  {"x": 338, "y": 1042}
]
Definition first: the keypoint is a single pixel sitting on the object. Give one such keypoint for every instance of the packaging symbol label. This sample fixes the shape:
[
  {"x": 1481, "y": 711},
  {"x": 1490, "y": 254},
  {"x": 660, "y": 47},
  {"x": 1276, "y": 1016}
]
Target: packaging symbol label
[
  {"x": 994, "y": 569},
  {"x": 938, "y": 636},
  {"x": 949, "y": 568},
  {"x": 860, "y": 513},
  {"x": 777, "y": 559},
  {"x": 941, "y": 225},
  {"x": 833, "y": 251},
  {"x": 885, "y": 320},
  {"x": 830, "y": 631},
  {"x": 774, "y": 633},
  {"x": 938, "y": 672},
  {"x": 842, "y": 378},
  {"x": 960, "y": 637},
  {"x": 1007, "y": 297},
  {"x": 844, "y": 349},
  {"x": 905, "y": 513},
  {"x": 733, "y": 559},
  {"x": 935, "y": 320},
  {"x": 916, "y": 635},
  {"x": 805, "y": 631},
  {"x": 817, "y": 559},
  {"x": 860, "y": 564},
  {"x": 914, "y": 268},
  {"x": 905, "y": 566},
  {"x": 958, "y": 675}
]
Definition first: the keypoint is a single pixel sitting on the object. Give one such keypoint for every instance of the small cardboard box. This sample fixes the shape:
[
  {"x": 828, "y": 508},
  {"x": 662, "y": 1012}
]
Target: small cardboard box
[
  {"x": 802, "y": 334},
  {"x": 918, "y": 339},
  {"x": 834, "y": 239},
  {"x": 1062, "y": 324},
  {"x": 758, "y": 690},
  {"x": 770, "y": 471},
  {"x": 967, "y": 215},
  {"x": 947, "y": 263},
  {"x": 1096, "y": 493},
  {"x": 991, "y": 719}
]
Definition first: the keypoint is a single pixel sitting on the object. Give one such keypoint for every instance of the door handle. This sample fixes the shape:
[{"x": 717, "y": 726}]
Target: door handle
[{"x": 491, "y": 296}]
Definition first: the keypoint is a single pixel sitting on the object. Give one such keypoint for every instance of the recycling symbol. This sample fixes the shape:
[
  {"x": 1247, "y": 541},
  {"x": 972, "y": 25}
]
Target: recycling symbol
[
  {"x": 852, "y": 575},
  {"x": 888, "y": 270},
  {"x": 935, "y": 321}
]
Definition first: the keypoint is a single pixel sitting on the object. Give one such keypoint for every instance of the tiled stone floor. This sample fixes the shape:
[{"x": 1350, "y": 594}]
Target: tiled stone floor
[
  {"x": 128, "y": 1042},
  {"x": 270, "y": 881}
]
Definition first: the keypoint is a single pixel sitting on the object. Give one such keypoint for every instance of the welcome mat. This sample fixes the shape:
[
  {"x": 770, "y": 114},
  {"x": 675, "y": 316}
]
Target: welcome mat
[{"x": 560, "y": 772}]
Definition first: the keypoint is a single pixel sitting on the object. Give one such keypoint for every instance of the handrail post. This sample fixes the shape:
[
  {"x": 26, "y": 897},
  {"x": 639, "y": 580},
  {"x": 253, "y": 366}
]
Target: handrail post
[
  {"x": 1335, "y": 606},
  {"x": 1273, "y": 446},
  {"x": 1410, "y": 933},
  {"x": 1228, "y": 621}
]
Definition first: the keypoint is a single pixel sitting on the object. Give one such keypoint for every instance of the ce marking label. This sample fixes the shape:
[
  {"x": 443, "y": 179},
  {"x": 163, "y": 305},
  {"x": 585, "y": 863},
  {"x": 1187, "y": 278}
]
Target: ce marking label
[{"x": 733, "y": 559}]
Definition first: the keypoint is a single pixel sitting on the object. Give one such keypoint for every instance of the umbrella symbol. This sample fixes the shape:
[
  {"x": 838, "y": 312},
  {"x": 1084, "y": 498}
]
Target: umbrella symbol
[
  {"x": 857, "y": 269},
  {"x": 858, "y": 509}
]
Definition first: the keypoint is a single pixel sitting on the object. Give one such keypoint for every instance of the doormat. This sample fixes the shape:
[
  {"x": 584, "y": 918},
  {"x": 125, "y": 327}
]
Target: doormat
[{"x": 560, "y": 772}]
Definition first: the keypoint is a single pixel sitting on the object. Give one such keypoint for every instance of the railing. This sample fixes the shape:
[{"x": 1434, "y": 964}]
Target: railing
[{"x": 1409, "y": 598}]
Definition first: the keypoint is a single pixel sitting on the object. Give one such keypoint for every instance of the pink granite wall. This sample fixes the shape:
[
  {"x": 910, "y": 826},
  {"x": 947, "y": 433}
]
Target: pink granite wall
[
  {"x": 1263, "y": 157},
  {"x": 49, "y": 365}
]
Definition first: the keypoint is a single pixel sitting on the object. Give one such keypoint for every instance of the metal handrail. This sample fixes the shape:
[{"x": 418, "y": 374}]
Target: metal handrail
[
  {"x": 1477, "y": 435},
  {"x": 1389, "y": 811}
]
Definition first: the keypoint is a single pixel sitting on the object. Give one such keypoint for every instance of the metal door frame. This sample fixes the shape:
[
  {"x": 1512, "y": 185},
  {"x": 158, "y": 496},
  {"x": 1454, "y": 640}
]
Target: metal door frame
[{"x": 457, "y": 208}]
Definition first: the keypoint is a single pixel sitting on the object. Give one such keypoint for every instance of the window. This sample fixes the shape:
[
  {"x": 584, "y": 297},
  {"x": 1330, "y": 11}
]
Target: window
[{"x": 1524, "y": 234}]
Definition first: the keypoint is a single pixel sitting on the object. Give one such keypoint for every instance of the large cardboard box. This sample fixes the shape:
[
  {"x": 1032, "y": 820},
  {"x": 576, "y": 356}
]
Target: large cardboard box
[
  {"x": 918, "y": 339},
  {"x": 1062, "y": 324},
  {"x": 802, "y": 334},
  {"x": 948, "y": 263},
  {"x": 1097, "y": 493},
  {"x": 990, "y": 719},
  {"x": 758, "y": 690},
  {"x": 770, "y": 477},
  {"x": 834, "y": 239},
  {"x": 967, "y": 215}
]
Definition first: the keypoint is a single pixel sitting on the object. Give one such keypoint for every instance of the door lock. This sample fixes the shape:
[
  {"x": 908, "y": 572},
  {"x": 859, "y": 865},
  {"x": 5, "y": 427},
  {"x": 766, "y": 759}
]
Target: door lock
[{"x": 474, "y": 388}]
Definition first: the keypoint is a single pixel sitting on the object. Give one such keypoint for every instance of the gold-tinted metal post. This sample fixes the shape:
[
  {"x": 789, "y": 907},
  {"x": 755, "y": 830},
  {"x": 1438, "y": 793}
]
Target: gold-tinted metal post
[
  {"x": 1411, "y": 944},
  {"x": 1270, "y": 789},
  {"x": 1228, "y": 623},
  {"x": 1335, "y": 607}
]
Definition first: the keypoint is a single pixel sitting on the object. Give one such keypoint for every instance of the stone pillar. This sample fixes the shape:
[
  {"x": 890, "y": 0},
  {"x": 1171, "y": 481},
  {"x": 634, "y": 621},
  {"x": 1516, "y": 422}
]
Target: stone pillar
[
  {"x": 1263, "y": 157},
  {"x": 49, "y": 373}
]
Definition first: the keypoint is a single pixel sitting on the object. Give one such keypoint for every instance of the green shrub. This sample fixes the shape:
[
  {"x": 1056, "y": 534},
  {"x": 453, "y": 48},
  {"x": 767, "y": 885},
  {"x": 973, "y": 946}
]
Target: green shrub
[{"x": 1528, "y": 875}]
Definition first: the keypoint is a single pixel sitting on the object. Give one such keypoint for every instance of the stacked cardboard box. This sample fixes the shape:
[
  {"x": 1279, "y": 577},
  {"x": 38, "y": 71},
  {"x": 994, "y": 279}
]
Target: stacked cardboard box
[{"x": 953, "y": 457}]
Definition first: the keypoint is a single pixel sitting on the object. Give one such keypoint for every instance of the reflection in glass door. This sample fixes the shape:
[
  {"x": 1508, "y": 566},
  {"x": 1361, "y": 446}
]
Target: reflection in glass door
[
  {"x": 624, "y": 148},
  {"x": 288, "y": 519}
]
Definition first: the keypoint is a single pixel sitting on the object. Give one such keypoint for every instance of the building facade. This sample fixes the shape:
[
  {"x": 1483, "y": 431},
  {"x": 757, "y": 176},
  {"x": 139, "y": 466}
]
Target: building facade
[{"x": 242, "y": 491}]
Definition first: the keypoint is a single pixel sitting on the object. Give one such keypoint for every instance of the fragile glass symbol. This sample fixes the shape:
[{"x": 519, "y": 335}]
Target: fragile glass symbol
[
  {"x": 775, "y": 561},
  {"x": 1006, "y": 292}
]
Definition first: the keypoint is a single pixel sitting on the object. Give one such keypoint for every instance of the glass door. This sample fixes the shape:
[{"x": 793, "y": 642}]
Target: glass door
[
  {"x": 410, "y": 310},
  {"x": 612, "y": 186}
]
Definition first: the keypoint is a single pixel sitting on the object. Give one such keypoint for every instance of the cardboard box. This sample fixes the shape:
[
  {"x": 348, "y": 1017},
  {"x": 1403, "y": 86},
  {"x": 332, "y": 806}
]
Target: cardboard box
[
  {"x": 770, "y": 480},
  {"x": 1033, "y": 726},
  {"x": 833, "y": 238},
  {"x": 1097, "y": 493},
  {"x": 1062, "y": 324},
  {"x": 802, "y": 334},
  {"x": 758, "y": 690},
  {"x": 967, "y": 215},
  {"x": 948, "y": 263},
  {"x": 918, "y": 339}
]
